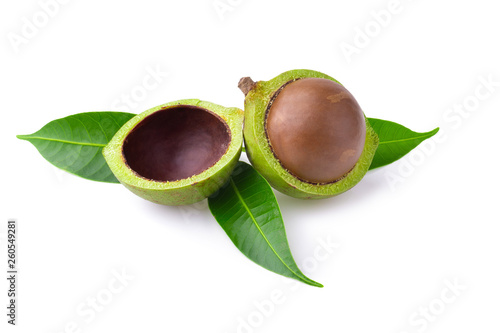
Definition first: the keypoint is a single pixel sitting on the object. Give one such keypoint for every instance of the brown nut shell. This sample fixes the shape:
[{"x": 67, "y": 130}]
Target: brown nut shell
[{"x": 316, "y": 129}]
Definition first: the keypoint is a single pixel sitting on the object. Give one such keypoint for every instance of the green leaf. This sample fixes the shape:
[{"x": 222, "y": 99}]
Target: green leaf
[
  {"x": 395, "y": 141},
  {"x": 75, "y": 143},
  {"x": 247, "y": 210}
]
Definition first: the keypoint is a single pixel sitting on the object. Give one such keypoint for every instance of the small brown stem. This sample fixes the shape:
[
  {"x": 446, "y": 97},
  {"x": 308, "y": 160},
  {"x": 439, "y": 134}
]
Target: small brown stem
[{"x": 246, "y": 84}]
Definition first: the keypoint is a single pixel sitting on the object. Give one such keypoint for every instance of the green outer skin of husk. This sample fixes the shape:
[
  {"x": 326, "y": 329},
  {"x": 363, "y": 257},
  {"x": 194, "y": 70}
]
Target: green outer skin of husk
[
  {"x": 185, "y": 191},
  {"x": 262, "y": 158}
]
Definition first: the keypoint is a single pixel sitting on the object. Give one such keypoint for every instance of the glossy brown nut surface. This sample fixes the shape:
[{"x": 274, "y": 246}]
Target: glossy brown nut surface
[
  {"x": 316, "y": 129},
  {"x": 176, "y": 143}
]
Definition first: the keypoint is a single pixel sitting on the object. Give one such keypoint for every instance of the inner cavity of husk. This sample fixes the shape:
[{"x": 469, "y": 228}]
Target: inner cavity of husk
[{"x": 176, "y": 143}]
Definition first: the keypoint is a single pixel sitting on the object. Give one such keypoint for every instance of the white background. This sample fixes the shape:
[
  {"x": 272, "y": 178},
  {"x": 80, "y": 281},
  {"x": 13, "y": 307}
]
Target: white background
[{"x": 396, "y": 241}]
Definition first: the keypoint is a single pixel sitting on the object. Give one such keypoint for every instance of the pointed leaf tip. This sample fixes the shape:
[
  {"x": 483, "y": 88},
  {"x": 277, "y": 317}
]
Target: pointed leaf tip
[
  {"x": 75, "y": 143},
  {"x": 246, "y": 208},
  {"x": 395, "y": 141}
]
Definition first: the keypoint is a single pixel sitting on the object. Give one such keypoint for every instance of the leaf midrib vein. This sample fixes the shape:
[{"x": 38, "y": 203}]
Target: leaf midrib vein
[
  {"x": 63, "y": 141},
  {"x": 260, "y": 230},
  {"x": 407, "y": 139}
]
